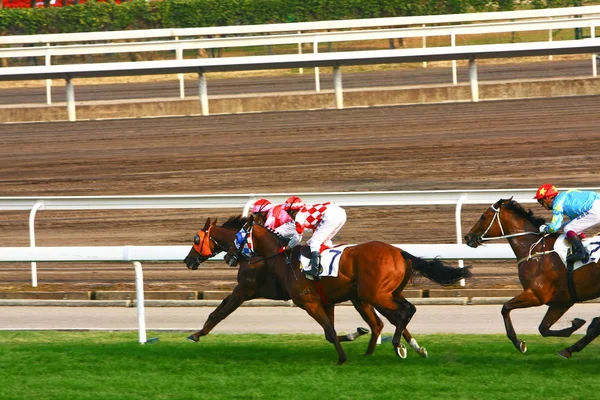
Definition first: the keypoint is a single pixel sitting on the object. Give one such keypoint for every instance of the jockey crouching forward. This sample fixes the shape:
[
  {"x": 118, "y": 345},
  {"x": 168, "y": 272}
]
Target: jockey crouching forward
[
  {"x": 324, "y": 219},
  {"x": 583, "y": 210}
]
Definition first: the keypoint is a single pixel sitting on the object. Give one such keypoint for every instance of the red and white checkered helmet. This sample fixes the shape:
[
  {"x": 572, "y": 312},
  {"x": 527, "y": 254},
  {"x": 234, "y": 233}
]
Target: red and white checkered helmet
[
  {"x": 293, "y": 203},
  {"x": 545, "y": 191},
  {"x": 261, "y": 205}
]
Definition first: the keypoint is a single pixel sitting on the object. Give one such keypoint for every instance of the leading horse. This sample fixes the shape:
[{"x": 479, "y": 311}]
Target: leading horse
[
  {"x": 541, "y": 272},
  {"x": 374, "y": 273},
  {"x": 257, "y": 281}
]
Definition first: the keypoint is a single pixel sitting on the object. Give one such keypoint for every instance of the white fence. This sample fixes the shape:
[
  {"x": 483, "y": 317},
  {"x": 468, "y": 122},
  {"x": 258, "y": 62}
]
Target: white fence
[
  {"x": 137, "y": 254},
  {"x": 335, "y": 60}
]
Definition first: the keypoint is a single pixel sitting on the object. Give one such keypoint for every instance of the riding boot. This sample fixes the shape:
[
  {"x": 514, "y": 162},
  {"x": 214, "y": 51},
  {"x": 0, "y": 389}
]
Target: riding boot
[
  {"x": 577, "y": 251},
  {"x": 314, "y": 264}
]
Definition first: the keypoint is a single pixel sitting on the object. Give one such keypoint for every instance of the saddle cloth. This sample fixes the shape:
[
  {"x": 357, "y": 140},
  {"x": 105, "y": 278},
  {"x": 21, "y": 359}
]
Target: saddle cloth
[
  {"x": 592, "y": 245},
  {"x": 330, "y": 261}
]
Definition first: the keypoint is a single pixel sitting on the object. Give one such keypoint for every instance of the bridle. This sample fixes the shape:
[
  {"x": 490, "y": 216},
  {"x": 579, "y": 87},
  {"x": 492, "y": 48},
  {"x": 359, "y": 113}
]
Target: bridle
[
  {"x": 245, "y": 249},
  {"x": 201, "y": 246},
  {"x": 496, "y": 216}
]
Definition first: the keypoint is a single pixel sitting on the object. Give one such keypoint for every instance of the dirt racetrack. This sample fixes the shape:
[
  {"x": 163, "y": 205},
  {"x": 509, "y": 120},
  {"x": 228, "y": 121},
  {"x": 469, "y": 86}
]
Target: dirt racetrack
[{"x": 487, "y": 145}]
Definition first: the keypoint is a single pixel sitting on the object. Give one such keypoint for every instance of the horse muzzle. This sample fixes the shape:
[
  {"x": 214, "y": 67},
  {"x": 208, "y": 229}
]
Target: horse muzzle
[{"x": 473, "y": 241}]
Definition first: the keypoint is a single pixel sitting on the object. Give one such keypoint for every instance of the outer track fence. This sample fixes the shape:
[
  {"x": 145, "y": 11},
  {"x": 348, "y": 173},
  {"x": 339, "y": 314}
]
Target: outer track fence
[{"x": 517, "y": 22}]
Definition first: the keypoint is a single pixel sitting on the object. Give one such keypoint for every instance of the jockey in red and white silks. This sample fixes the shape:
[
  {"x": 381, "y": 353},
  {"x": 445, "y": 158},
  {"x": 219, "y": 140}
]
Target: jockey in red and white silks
[{"x": 324, "y": 219}]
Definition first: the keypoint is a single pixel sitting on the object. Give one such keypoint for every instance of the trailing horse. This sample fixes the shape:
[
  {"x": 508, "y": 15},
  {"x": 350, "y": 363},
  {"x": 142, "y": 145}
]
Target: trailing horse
[
  {"x": 257, "y": 281},
  {"x": 374, "y": 273},
  {"x": 541, "y": 271}
]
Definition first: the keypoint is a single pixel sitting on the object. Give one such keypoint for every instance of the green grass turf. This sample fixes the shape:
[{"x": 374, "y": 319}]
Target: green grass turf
[{"x": 112, "y": 365}]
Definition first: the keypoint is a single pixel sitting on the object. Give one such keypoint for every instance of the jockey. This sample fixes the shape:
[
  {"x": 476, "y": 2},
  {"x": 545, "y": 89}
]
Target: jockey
[
  {"x": 277, "y": 220},
  {"x": 324, "y": 219},
  {"x": 262, "y": 207},
  {"x": 582, "y": 208}
]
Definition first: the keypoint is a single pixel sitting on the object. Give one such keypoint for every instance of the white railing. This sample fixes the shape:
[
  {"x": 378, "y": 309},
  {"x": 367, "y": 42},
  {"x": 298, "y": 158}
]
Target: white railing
[
  {"x": 517, "y": 21},
  {"x": 456, "y": 198},
  {"x": 335, "y": 60},
  {"x": 367, "y": 23},
  {"x": 179, "y": 46}
]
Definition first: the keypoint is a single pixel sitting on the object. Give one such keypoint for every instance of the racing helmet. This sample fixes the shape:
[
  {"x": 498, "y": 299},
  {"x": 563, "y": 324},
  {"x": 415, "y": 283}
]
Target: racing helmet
[
  {"x": 293, "y": 203},
  {"x": 261, "y": 205},
  {"x": 545, "y": 191}
]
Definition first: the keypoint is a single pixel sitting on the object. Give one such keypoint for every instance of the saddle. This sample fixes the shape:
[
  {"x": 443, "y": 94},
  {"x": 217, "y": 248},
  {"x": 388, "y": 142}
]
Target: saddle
[{"x": 305, "y": 249}]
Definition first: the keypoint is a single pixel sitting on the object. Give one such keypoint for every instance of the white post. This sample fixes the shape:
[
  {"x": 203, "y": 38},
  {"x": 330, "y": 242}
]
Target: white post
[
  {"x": 424, "y": 40},
  {"x": 71, "y": 101},
  {"x": 38, "y": 206},
  {"x": 459, "y": 204},
  {"x": 179, "y": 55},
  {"x": 203, "y": 91},
  {"x": 594, "y": 56},
  {"x": 317, "y": 82},
  {"x": 453, "y": 43},
  {"x": 550, "y": 39},
  {"x": 139, "y": 292},
  {"x": 473, "y": 80},
  {"x": 48, "y": 81},
  {"x": 337, "y": 87},
  {"x": 300, "y": 70}
]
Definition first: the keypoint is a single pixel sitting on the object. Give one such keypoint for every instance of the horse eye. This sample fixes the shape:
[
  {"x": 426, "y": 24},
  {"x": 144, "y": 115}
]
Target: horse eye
[{"x": 197, "y": 239}]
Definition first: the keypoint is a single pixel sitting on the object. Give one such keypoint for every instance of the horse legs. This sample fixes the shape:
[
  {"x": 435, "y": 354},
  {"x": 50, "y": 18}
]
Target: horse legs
[
  {"x": 525, "y": 299},
  {"x": 592, "y": 333},
  {"x": 227, "y": 306},
  {"x": 321, "y": 315},
  {"x": 368, "y": 314},
  {"x": 412, "y": 342},
  {"x": 399, "y": 312},
  {"x": 552, "y": 315},
  {"x": 350, "y": 336}
]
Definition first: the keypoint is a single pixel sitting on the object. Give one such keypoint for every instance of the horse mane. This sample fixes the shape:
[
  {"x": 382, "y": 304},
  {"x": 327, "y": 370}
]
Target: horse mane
[
  {"x": 281, "y": 239},
  {"x": 527, "y": 214},
  {"x": 235, "y": 222}
]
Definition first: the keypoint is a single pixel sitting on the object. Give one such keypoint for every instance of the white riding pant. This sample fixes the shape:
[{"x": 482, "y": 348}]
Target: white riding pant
[
  {"x": 585, "y": 220},
  {"x": 333, "y": 220}
]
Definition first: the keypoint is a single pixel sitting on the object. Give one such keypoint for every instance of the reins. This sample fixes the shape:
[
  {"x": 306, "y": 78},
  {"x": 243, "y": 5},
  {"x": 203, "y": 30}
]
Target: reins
[{"x": 512, "y": 235}]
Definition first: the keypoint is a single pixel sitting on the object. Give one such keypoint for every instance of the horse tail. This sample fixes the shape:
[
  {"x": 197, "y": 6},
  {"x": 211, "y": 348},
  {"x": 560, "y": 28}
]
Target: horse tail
[{"x": 436, "y": 270}]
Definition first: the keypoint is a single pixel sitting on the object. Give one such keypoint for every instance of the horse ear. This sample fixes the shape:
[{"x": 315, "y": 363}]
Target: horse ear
[
  {"x": 207, "y": 224},
  {"x": 215, "y": 221}
]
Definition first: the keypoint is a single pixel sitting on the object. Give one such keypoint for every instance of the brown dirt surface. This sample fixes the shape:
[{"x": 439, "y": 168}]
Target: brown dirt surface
[{"x": 487, "y": 145}]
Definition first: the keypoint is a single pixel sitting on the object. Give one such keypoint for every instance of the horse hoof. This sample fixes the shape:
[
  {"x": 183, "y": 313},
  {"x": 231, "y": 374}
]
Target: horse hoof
[
  {"x": 564, "y": 354},
  {"x": 192, "y": 338},
  {"x": 401, "y": 351},
  {"x": 362, "y": 331},
  {"x": 522, "y": 347},
  {"x": 577, "y": 323},
  {"x": 423, "y": 352}
]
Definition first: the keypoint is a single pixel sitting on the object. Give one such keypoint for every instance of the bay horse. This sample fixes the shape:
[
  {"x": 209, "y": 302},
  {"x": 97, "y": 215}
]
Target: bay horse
[
  {"x": 374, "y": 273},
  {"x": 541, "y": 272},
  {"x": 257, "y": 281}
]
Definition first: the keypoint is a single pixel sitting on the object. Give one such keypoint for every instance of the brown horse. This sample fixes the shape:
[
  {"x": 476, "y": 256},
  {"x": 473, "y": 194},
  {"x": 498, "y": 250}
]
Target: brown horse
[
  {"x": 541, "y": 272},
  {"x": 256, "y": 281},
  {"x": 374, "y": 273}
]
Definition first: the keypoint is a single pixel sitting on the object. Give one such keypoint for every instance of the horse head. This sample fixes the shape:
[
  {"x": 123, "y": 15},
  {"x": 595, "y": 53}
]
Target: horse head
[
  {"x": 211, "y": 240},
  {"x": 504, "y": 219}
]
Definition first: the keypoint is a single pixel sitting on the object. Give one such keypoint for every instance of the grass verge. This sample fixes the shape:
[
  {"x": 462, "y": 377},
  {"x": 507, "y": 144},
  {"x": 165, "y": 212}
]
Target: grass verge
[{"x": 110, "y": 365}]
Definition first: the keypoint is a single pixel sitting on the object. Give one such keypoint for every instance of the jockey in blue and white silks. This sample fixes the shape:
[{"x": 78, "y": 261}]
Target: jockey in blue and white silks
[{"x": 582, "y": 208}]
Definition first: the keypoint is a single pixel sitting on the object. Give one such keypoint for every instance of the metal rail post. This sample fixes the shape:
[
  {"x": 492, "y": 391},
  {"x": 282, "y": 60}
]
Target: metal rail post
[
  {"x": 317, "y": 81},
  {"x": 38, "y": 206},
  {"x": 71, "y": 113},
  {"x": 337, "y": 87},
  {"x": 473, "y": 80},
  {"x": 457, "y": 215},
  {"x": 139, "y": 292},
  {"x": 203, "y": 92}
]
